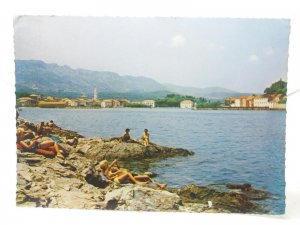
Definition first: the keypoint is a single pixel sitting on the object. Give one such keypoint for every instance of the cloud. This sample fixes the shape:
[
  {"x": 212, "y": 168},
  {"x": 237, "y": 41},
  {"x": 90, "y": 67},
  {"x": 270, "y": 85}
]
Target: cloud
[
  {"x": 253, "y": 58},
  {"x": 268, "y": 51},
  {"x": 178, "y": 41}
]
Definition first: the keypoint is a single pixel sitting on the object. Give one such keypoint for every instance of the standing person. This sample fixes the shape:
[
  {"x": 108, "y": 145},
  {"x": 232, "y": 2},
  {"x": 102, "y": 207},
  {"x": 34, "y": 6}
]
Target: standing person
[{"x": 145, "y": 138}]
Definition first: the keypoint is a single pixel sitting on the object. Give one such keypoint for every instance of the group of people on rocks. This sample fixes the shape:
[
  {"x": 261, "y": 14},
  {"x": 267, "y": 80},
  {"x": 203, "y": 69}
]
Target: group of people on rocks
[
  {"x": 145, "y": 137},
  {"x": 39, "y": 139},
  {"x": 115, "y": 173},
  {"x": 118, "y": 175}
]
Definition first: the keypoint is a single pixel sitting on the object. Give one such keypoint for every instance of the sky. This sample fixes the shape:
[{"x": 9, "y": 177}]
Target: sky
[{"x": 244, "y": 55}]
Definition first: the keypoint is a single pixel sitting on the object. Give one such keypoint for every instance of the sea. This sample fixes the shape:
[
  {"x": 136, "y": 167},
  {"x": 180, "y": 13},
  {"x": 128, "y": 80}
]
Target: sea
[{"x": 231, "y": 146}]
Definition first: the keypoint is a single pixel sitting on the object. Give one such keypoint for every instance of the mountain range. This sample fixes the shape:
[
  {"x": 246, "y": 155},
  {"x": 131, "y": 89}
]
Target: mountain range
[{"x": 51, "y": 79}]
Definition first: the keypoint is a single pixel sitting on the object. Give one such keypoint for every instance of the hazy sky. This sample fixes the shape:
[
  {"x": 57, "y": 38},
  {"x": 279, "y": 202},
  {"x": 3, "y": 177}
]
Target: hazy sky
[{"x": 240, "y": 54}]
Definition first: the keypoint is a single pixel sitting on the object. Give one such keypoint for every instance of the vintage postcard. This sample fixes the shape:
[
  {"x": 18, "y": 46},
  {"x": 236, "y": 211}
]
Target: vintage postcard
[{"x": 151, "y": 114}]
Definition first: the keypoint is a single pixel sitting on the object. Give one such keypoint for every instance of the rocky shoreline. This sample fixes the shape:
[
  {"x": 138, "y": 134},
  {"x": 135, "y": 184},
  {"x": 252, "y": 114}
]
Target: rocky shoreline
[{"x": 73, "y": 182}]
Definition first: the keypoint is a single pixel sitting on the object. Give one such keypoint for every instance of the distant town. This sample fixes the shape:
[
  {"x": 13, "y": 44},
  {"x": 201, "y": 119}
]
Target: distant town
[{"x": 267, "y": 101}]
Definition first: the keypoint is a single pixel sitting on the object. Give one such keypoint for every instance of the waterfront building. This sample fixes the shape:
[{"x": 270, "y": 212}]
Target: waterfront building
[
  {"x": 115, "y": 103},
  {"x": 237, "y": 103},
  {"x": 72, "y": 103},
  {"x": 107, "y": 103},
  {"x": 49, "y": 98},
  {"x": 35, "y": 97},
  {"x": 26, "y": 102},
  {"x": 250, "y": 101},
  {"x": 89, "y": 103},
  {"x": 263, "y": 101},
  {"x": 123, "y": 102},
  {"x": 243, "y": 101},
  {"x": 230, "y": 101},
  {"x": 150, "y": 103},
  {"x": 97, "y": 102},
  {"x": 44, "y": 104},
  {"x": 81, "y": 102},
  {"x": 186, "y": 104}
]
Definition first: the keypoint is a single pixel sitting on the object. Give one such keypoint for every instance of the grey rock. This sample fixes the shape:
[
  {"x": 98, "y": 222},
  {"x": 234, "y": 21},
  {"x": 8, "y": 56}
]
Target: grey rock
[{"x": 136, "y": 198}]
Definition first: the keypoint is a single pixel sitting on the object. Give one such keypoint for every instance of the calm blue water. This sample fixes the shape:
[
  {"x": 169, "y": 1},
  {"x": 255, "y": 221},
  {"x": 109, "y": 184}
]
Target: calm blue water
[{"x": 230, "y": 146}]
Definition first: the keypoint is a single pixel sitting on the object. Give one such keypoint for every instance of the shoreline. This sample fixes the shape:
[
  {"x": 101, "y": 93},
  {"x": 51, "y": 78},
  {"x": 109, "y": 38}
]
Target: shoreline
[
  {"x": 218, "y": 108},
  {"x": 51, "y": 182}
]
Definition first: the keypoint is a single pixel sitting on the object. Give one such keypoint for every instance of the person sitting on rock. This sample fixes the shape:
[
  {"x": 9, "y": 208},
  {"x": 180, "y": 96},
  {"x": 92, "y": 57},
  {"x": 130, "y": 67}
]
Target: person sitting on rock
[
  {"x": 45, "y": 147},
  {"x": 126, "y": 137},
  {"x": 145, "y": 138},
  {"x": 53, "y": 125},
  {"x": 40, "y": 129},
  {"x": 120, "y": 175}
]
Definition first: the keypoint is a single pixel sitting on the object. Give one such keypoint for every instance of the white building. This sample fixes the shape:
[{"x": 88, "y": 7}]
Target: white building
[
  {"x": 71, "y": 103},
  {"x": 261, "y": 101},
  {"x": 186, "y": 104},
  {"x": 106, "y": 104},
  {"x": 150, "y": 103},
  {"x": 237, "y": 103}
]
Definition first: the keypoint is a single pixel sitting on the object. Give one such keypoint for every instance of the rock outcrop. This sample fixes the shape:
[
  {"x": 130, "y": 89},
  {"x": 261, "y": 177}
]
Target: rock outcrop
[
  {"x": 46, "y": 182},
  {"x": 99, "y": 149},
  {"x": 221, "y": 201},
  {"x": 74, "y": 183},
  {"x": 136, "y": 198}
]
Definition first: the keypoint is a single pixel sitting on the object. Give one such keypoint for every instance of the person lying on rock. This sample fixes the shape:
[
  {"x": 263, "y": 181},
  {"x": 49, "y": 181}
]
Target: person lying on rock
[
  {"x": 121, "y": 175},
  {"x": 25, "y": 133},
  {"x": 36, "y": 144},
  {"x": 73, "y": 142},
  {"x": 126, "y": 137},
  {"x": 145, "y": 138}
]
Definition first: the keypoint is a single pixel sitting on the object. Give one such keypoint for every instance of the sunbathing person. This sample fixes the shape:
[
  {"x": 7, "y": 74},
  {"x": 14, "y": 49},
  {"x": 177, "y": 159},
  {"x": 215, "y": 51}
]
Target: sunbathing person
[
  {"x": 25, "y": 133},
  {"x": 145, "y": 138},
  {"x": 120, "y": 175},
  {"x": 46, "y": 147}
]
